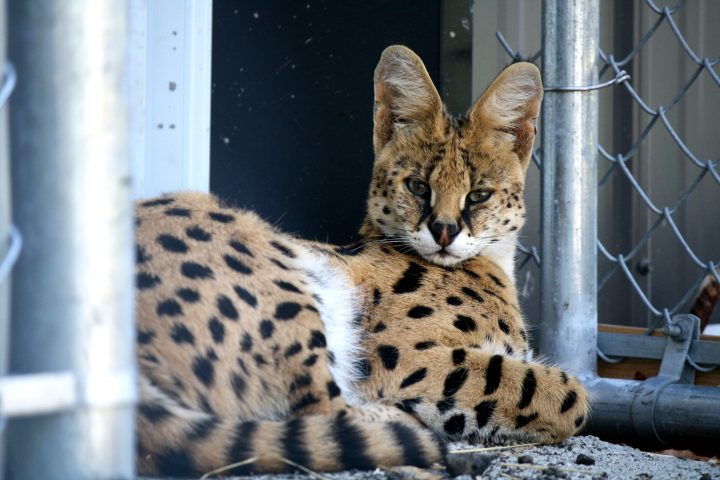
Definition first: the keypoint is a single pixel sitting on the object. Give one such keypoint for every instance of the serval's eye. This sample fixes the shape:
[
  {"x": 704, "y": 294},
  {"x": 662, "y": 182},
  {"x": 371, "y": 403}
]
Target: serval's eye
[
  {"x": 417, "y": 187},
  {"x": 479, "y": 196}
]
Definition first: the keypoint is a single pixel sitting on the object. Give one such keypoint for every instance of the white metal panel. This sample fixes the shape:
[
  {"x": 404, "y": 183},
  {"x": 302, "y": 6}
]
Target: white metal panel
[{"x": 172, "y": 42}]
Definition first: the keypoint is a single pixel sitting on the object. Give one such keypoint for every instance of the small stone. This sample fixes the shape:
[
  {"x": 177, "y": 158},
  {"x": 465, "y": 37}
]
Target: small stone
[
  {"x": 583, "y": 459},
  {"x": 705, "y": 476},
  {"x": 469, "y": 464},
  {"x": 525, "y": 459},
  {"x": 554, "y": 472}
]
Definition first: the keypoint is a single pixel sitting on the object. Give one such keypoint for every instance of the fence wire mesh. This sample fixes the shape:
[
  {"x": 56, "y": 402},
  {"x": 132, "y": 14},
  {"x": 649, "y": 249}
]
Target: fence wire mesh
[{"x": 627, "y": 262}]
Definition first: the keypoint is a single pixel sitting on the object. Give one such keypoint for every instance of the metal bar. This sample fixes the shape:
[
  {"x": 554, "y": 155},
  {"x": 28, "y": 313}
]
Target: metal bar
[
  {"x": 73, "y": 284},
  {"x": 652, "y": 348},
  {"x": 568, "y": 288},
  {"x": 43, "y": 393},
  {"x": 681, "y": 414},
  {"x": 6, "y": 243}
]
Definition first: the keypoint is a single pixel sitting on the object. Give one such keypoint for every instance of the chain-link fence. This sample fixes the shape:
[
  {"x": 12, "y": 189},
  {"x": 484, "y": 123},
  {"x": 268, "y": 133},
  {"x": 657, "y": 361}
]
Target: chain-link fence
[{"x": 632, "y": 170}]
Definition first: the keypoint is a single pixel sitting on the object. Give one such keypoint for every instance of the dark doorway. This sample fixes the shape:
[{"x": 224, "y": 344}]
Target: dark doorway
[{"x": 291, "y": 132}]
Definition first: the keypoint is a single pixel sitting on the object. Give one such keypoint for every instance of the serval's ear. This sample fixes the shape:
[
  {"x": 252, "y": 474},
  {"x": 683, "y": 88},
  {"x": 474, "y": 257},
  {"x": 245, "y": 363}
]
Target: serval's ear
[
  {"x": 404, "y": 95},
  {"x": 505, "y": 116}
]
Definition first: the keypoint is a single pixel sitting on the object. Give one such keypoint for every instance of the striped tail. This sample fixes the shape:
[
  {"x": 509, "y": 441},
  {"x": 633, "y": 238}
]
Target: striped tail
[{"x": 346, "y": 440}]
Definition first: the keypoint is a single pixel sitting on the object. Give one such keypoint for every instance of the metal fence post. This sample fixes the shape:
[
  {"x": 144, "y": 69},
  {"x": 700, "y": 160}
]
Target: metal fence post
[
  {"x": 73, "y": 284},
  {"x": 5, "y": 246},
  {"x": 568, "y": 331}
]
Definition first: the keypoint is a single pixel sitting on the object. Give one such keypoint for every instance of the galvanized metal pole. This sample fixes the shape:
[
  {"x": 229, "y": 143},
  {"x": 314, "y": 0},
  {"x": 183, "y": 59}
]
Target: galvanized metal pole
[
  {"x": 5, "y": 245},
  {"x": 73, "y": 285},
  {"x": 568, "y": 330}
]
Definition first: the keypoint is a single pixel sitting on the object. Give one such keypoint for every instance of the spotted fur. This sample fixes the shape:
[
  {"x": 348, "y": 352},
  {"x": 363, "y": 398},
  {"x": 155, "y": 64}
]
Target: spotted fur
[{"x": 257, "y": 345}]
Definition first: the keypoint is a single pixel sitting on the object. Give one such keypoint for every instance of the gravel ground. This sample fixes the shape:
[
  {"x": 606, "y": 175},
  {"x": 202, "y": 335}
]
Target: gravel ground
[{"x": 582, "y": 458}]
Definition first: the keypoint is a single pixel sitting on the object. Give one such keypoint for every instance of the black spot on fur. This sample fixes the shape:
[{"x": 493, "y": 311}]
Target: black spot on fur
[
  {"x": 446, "y": 404},
  {"x": 238, "y": 385},
  {"x": 508, "y": 349},
  {"x": 453, "y": 300},
  {"x": 181, "y": 334},
  {"x": 419, "y": 311},
  {"x": 454, "y": 381},
  {"x": 221, "y": 217},
  {"x": 389, "y": 356},
  {"x": 496, "y": 280},
  {"x": 311, "y": 360},
  {"x": 564, "y": 378},
  {"x": 153, "y": 412},
  {"x": 176, "y": 463},
  {"x": 240, "y": 247},
  {"x": 425, "y": 345},
  {"x": 259, "y": 360},
  {"x": 245, "y": 296},
  {"x": 317, "y": 340},
  {"x": 333, "y": 389},
  {"x": 157, "y": 202},
  {"x": 217, "y": 330},
  {"x": 458, "y": 356},
  {"x": 246, "y": 343},
  {"x": 528, "y": 389},
  {"x": 473, "y": 294},
  {"x": 411, "y": 279},
  {"x": 226, "y": 307},
  {"x": 203, "y": 428},
  {"x": 379, "y": 327},
  {"x": 377, "y": 297},
  {"x": 455, "y": 425},
  {"x": 287, "y": 310},
  {"x": 140, "y": 255},
  {"x": 408, "y": 405},
  {"x": 145, "y": 336},
  {"x": 503, "y": 326},
  {"x": 352, "y": 444},
  {"x": 241, "y": 447},
  {"x": 293, "y": 349},
  {"x": 465, "y": 323},
  {"x": 579, "y": 421},
  {"x": 294, "y": 443},
  {"x": 237, "y": 265},
  {"x": 195, "y": 271},
  {"x": 287, "y": 286},
  {"x": 279, "y": 264},
  {"x": 522, "y": 420},
  {"x": 470, "y": 273},
  {"x": 484, "y": 411},
  {"x": 493, "y": 374},
  {"x": 364, "y": 369},
  {"x": 146, "y": 281},
  {"x": 411, "y": 446},
  {"x": 266, "y": 329},
  {"x": 188, "y": 294},
  {"x": 171, "y": 243},
  {"x": 415, "y": 377},
  {"x": 300, "y": 382},
  {"x": 169, "y": 308},
  {"x": 204, "y": 370},
  {"x": 197, "y": 233},
  {"x": 568, "y": 402},
  {"x": 283, "y": 249},
  {"x": 304, "y": 401},
  {"x": 178, "y": 212}
]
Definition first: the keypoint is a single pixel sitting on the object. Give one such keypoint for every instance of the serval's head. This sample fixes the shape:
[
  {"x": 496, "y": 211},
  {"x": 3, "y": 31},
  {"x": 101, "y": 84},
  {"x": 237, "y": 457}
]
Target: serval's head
[{"x": 450, "y": 188}]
